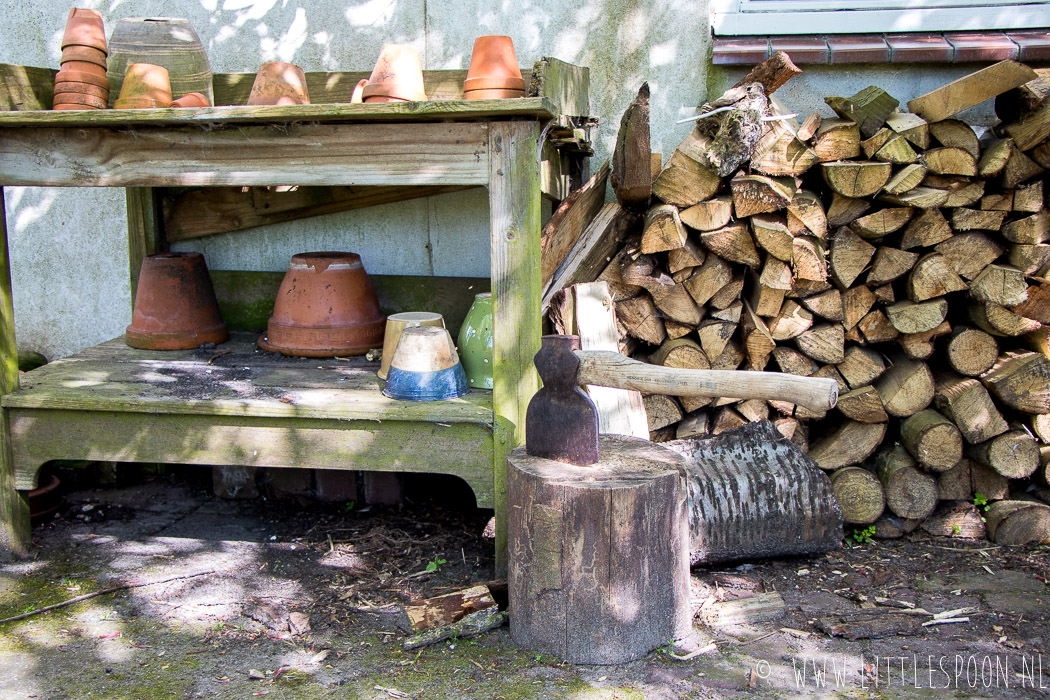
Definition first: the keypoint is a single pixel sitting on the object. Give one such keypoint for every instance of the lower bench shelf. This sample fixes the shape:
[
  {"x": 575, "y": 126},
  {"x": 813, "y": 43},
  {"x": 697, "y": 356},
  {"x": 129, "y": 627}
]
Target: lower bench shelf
[{"x": 233, "y": 404}]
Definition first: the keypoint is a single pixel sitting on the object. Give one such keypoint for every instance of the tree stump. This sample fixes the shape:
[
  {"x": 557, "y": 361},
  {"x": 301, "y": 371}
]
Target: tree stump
[{"x": 599, "y": 559}]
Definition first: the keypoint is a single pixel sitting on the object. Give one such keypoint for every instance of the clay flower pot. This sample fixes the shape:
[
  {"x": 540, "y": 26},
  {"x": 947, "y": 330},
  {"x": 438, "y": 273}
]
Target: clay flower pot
[
  {"x": 395, "y": 324},
  {"x": 145, "y": 85},
  {"x": 170, "y": 42},
  {"x": 69, "y": 76},
  {"x": 425, "y": 367},
  {"x": 475, "y": 342},
  {"x": 192, "y": 99},
  {"x": 45, "y": 499},
  {"x": 73, "y": 98},
  {"x": 358, "y": 95},
  {"x": 84, "y": 53},
  {"x": 325, "y": 307},
  {"x": 494, "y": 71},
  {"x": 85, "y": 67},
  {"x": 85, "y": 28},
  {"x": 279, "y": 83},
  {"x": 175, "y": 306},
  {"x": 397, "y": 76}
]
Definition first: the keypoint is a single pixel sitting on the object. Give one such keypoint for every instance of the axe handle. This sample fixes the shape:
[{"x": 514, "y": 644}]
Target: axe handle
[{"x": 606, "y": 368}]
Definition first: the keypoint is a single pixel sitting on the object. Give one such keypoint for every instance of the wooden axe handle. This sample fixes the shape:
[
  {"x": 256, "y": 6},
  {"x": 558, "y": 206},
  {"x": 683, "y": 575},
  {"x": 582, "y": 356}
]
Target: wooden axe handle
[{"x": 606, "y": 368}]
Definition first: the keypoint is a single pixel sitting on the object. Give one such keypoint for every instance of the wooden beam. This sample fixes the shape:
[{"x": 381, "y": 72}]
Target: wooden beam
[
  {"x": 144, "y": 233},
  {"x": 971, "y": 90}
]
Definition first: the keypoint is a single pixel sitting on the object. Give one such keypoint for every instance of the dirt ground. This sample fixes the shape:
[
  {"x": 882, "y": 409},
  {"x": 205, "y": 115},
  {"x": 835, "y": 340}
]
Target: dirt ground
[{"x": 291, "y": 599}]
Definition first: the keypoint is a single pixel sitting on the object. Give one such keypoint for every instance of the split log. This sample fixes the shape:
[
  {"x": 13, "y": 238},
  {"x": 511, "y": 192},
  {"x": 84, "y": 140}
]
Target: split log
[
  {"x": 791, "y": 321},
  {"x": 880, "y": 223},
  {"x": 809, "y": 127},
  {"x": 1015, "y": 104},
  {"x": 1014, "y": 454},
  {"x": 757, "y": 194},
  {"x": 909, "y": 317},
  {"x": 891, "y": 527},
  {"x": 869, "y": 108},
  {"x": 844, "y": 210},
  {"x": 710, "y": 215},
  {"x": 856, "y": 179},
  {"x": 759, "y": 609},
  {"x": 958, "y": 191},
  {"x": 999, "y": 320},
  {"x": 682, "y": 353},
  {"x": 627, "y": 512},
  {"x": 862, "y": 405},
  {"x": 998, "y": 201},
  {"x": 932, "y": 439},
  {"x": 970, "y": 90},
  {"x": 969, "y": 253},
  {"x": 1018, "y": 169},
  {"x": 780, "y": 152},
  {"x": 758, "y": 343},
  {"x": 1029, "y": 230},
  {"x": 889, "y": 264},
  {"x": 826, "y": 305},
  {"x": 444, "y": 609},
  {"x": 836, "y": 139},
  {"x": 856, "y": 303},
  {"x": 687, "y": 257},
  {"x": 728, "y": 295},
  {"x": 927, "y": 229},
  {"x": 807, "y": 260},
  {"x": 805, "y": 215},
  {"x": 907, "y": 178},
  {"x": 631, "y": 177},
  {"x": 683, "y": 182},
  {"x": 906, "y": 387},
  {"x": 850, "y": 254},
  {"x": 641, "y": 319},
  {"x": 896, "y": 150},
  {"x": 824, "y": 342},
  {"x": 931, "y": 277},
  {"x": 994, "y": 158},
  {"x": 663, "y": 229},
  {"x": 918, "y": 197},
  {"x": 693, "y": 425},
  {"x": 910, "y": 126},
  {"x": 1018, "y": 522},
  {"x": 726, "y": 419},
  {"x": 859, "y": 495},
  {"x": 569, "y": 221},
  {"x": 861, "y": 366},
  {"x": 851, "y": 443},
  {"x": 734, "y": 243},
  {"x": 920, "y": 346},
  {"x": 1029, "y": 198},
  {"x": 772, "y": 235},
  {"x": 661, "y": 411},
  {"x": 714, "y": 274},
  {"x": 964, "y": 219},
  {"x": 956, "y": 134},
  {"x": 876, "y": 328},
  {"x": 909, "y": 492},
  {"x": 967, "y": 403},
  {"x": 1021, "y": 380},
  {"x": 1040, "y": 426},
  {"x": 960, "y": 520},
  {"x": 1000, "y": 284},
  {"x": 714, "y": 336},
  {"x": 790, "y": 509},
  {"x": 954, "y": 484}
]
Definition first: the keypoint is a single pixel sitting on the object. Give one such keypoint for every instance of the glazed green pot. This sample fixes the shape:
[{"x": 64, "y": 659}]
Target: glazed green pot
[{"x": 475, "y": 342}]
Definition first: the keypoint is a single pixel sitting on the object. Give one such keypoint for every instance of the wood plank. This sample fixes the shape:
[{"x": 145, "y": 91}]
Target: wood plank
[
  {"x": 14, "y": 508},
  {"x": 566, "y": 86},
  {"x": 514, "y": 222},
  {"x": 404, "y": 446},
  {"x": 970, "y": 90},
  {"x": 25, "y": 87},
  {"x": 300, "y": 154},
  {"x": 569, "y": 221},
  {"x": 205, "y": 212},
  {"x": 144, "y": 232}
]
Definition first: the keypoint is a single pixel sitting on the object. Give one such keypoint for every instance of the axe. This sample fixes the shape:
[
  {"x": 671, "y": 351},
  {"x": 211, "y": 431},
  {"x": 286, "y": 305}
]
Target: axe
[{"x": 561, "y": 422}]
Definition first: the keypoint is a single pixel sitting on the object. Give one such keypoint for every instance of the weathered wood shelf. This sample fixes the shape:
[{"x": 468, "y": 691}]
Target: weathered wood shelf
[{"x": 110, "y": 402}]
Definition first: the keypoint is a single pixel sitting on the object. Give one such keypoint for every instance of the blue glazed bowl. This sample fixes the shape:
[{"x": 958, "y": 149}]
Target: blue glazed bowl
[{"x": 425, "y": 367}]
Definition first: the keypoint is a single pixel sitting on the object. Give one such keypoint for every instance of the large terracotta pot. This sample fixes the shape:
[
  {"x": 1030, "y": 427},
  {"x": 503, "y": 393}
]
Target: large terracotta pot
[
  {"x": 175, "y": 306},
  {"x": 84, "y": 28},
  {"x": 170, "y": 42},
  {"x": 494, "y": 71},
  {"x": 475, "y": 342},
  {"x": 397, "y": 76},
  {"x": 279, "y": 83},
  {"x": 425, "y": 367},
  {"x": 325, "y": 307}
]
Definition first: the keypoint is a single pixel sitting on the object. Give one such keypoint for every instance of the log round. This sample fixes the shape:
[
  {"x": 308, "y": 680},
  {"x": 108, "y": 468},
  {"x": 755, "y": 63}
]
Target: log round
[
  {"x": 859, "y": 495},
  {"x": 599, "y": 562}
]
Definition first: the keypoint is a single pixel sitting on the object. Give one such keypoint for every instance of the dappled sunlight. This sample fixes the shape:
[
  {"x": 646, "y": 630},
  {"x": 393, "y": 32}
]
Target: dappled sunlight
[{"x": 31, "y": 206}]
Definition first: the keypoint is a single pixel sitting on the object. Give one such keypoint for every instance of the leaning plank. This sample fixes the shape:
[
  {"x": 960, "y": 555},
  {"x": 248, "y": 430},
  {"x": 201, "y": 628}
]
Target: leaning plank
[
  {"x": 790, "y": 509},
  {"x": 632, "y": 175},
  {"x": 970, "y": 90},
  {"x": 569, "y": 221}
]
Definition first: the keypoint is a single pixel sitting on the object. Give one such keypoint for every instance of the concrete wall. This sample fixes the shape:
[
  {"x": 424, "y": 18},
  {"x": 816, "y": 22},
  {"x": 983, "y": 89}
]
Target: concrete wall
[{"x": 69, "y": 263}]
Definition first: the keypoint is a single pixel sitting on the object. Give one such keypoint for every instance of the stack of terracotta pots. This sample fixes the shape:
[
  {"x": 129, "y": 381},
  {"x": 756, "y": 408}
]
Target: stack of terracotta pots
[{"x": 81, "y": 81}]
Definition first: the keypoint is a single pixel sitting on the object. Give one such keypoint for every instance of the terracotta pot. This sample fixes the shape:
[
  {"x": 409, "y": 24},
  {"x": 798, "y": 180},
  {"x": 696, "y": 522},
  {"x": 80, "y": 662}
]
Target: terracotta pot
[
  {"x": 493, "y": 66},
  {"x": 397, "y": 76},
  {"x": 72, "y": 98},
  {"x": 170, "y": 42},
  {"x": 71, "y": 108},
  {"x": 395, "y": 324},
  {"x": 84, "y": 53},
  {"x": 45, "y": 499},
  {"x": 175, "y": 306},
  {"x": 139, "y": 103},
  {"x": 279, "y": 83},
  {"x": 69, "y": 76},
  {"x": 425, "y": 367},
  {"x": 81, "y": 89},
  {"x": 85, "y": 67},
  {"x": 84, "y": 28},
  {"x": 357, "y": 96},
  {"x": 146, "y": 80},
  {"x": 192, "y": 99},
  {"x": 475, "y": 342},
  {"x": 325, "y": 307}
]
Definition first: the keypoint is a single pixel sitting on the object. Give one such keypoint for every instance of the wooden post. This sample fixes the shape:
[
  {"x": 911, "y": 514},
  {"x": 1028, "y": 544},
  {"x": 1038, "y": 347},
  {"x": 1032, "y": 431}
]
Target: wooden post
[
  {"x": 14, "y": 508},
  {"x": 514, "y": 218},
  {"x": 144, "y": 231},
  {"x": 599, "y": 566}
]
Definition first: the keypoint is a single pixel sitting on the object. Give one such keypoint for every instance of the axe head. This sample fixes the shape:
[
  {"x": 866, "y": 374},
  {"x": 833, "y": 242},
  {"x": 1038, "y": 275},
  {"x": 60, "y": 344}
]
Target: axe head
[{"x": 561, "y": 422}]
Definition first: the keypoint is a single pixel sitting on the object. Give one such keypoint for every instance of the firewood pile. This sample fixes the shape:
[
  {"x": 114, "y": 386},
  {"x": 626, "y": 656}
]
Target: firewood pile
[{"x": 904, "y": 254}]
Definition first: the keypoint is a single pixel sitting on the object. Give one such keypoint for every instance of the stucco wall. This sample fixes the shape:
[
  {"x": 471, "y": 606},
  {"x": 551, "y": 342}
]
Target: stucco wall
[{"x": 69, "y": 263}]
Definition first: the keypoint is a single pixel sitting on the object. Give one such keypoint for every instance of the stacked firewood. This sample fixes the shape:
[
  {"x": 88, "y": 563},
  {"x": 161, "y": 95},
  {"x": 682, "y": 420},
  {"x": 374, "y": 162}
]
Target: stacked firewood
[{"x": 903, "y": 254}]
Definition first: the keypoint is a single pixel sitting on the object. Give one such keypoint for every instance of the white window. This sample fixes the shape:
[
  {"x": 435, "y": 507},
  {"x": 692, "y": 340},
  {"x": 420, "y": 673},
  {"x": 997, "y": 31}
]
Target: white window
[{"x": 743, "y": 17}]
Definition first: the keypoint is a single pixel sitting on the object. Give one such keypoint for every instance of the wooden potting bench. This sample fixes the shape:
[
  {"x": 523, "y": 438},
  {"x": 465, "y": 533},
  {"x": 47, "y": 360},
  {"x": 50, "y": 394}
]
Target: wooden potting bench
[{"x": 231, "y": 405}]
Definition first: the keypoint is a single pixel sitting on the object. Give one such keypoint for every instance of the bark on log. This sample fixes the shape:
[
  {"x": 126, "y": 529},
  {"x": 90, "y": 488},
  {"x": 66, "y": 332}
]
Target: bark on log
[
  {"x": 909, "y": 492},
  {"x": 789, "y": 508},
  {"x": 588, "y": 543},
  {"x": 967, "y": 403},
  {"x": 932, "y": 439},
  {"x": 1021, "y": 380},
  {"x": 772, "y": 73},
  {"x": 851, "y": 443},
  {"x": 1018, "y": 522},
  {"x": 1014, "y": 454},
  {"x": 906, "y": 388}
]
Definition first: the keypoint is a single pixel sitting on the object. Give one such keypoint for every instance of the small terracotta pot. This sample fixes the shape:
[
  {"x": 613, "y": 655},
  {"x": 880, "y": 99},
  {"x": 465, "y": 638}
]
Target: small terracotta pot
[
  {"x": 69, "y": 76},
  {"x": 279, "y": 83},
  {"x": 357, "y": 96},
  {"x": 83, "y": 53},
  {"x": 45, "y": 499},
  {"x": 493, "y": 66},
  {"x": 145, "y": 80},
  {"x": 395, "y": 324},
  {"x": 85, "y": 28},
  {"x": 192, "y": 99},
  {"x": 72, "y": 98},
  {"x": 397, "y": 76},
  {"x": 425, "y": 367},
  {"x": 175, "y": 306},
  {"x": 325, "y": 307},
  {"x": 139, "y": 103},
  {"x": 81, "y": 89},
  {"x": 85, "y": 67}
]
